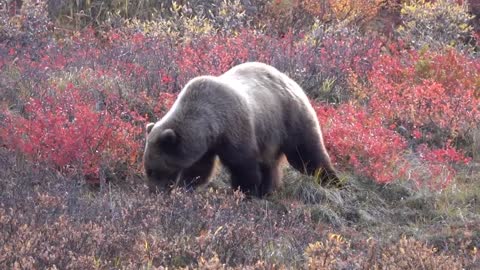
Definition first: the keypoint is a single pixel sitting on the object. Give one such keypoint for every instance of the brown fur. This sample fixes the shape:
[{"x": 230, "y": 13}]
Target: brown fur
[{"x": 249, "y": 117}]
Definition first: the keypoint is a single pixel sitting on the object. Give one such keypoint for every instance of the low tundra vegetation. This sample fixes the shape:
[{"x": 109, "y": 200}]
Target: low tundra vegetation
[{"x": 395, "y": 85}]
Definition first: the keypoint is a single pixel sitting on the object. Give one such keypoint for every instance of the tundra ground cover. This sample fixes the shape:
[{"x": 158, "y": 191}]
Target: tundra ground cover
[{"x": 401, "y": 123}]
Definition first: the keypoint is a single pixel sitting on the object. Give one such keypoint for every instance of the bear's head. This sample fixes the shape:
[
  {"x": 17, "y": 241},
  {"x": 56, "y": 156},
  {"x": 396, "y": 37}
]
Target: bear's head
[{"x": 167, "y": 153}]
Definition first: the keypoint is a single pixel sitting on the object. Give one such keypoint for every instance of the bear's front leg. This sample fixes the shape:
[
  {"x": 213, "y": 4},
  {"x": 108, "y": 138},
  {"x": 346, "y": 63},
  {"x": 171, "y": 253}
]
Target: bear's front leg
[
  {"x": 199, "y": 173},
  {"x": 246, "y": 176},
  {"x": 271, "y": 177},
  {"x": 244, "y": 168}
]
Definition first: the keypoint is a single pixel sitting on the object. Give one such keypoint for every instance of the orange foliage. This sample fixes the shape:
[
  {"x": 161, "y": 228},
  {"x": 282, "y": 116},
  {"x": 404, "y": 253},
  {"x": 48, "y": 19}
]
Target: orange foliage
[{"x": 355, "y": 10}]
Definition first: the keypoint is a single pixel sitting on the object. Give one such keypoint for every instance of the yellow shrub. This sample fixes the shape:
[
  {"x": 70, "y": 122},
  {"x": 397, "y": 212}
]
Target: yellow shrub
[{"x": 435, "y": 24}]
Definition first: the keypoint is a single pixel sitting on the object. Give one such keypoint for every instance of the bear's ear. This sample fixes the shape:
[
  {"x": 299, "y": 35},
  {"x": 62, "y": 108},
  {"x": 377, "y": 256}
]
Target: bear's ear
[
  {"x": 167, "y": 138},
  {"x": 149, "y": 127}
]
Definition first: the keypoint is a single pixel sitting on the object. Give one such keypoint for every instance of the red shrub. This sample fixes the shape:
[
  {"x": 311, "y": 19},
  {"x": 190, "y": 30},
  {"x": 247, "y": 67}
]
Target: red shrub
[
  {"x": 66, "y": 131},
  {"x": 213, "y": 55},
  {"x": 429, "y": 94},
  {"x": 358, "y": 140},
  {"x": 427, "y": 97},
  {"x": 153, "y": 108},
  {"x": 311, "y": 62},
  {"x": 436, "y": 170}
]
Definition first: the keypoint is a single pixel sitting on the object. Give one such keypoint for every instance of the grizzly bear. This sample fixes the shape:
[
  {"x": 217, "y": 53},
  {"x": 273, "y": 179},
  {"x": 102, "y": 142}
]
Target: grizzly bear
[{"x": 250, "y": 117}]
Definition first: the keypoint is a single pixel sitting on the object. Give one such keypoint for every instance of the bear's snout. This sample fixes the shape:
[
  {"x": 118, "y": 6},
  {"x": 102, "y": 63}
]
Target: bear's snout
[
  {"x": 160, "y": 182},
  {"x": 157, "y": 186}
]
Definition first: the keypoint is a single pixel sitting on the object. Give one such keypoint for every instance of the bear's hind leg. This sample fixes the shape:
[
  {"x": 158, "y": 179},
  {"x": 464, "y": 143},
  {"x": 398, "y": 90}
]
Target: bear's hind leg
[{"x": 312, "y": 159}]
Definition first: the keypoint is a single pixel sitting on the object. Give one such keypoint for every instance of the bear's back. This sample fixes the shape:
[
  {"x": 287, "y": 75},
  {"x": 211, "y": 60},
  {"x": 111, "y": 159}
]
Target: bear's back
[
  {"x": 268, "y": 90},
  {"x": 276, "y": 102},
  {"x": 261, "y": 80}
]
